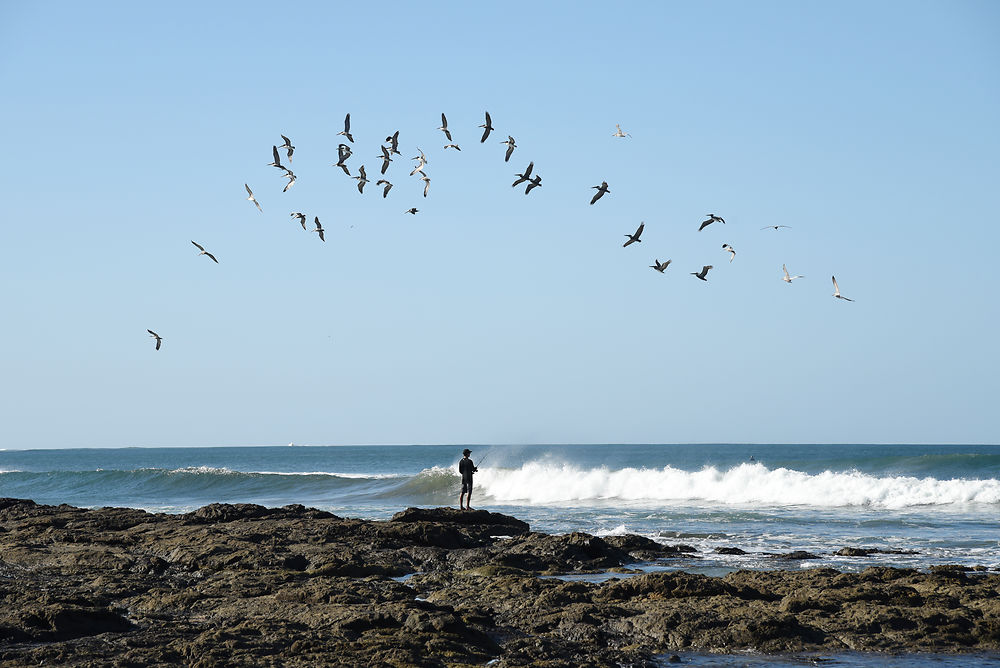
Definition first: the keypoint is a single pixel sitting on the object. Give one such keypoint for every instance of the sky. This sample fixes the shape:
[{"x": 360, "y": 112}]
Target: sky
[{"x": 869, "y": 129}]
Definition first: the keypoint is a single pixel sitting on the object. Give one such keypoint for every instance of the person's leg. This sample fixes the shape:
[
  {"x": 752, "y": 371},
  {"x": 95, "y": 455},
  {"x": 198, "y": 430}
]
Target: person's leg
[{"x": 468, "y": 499}]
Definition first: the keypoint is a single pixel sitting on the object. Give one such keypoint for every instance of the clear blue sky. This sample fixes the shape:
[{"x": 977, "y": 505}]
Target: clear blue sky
[{"x": 491, "y": 317}]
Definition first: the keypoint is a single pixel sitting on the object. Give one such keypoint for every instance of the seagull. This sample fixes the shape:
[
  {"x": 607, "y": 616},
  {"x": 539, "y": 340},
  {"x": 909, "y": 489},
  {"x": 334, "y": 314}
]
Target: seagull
[
  {"x": 427, "y": 183},
  {"x": 291, "y": 180},
  {"x": 712, "y": 218},
  {"x": 510, "y": 147},
  {"x": 732, "y": 252},
  {"x": 413, "y": 211},
  {"x": 774, "y": 227},
  {"x": 252, "y": 198},
  {"x": 393, "y": 141},
  {"x": 287, "y": 145},
  {"x": 633, "y": 238},
  {"x": 385, "y": 159},
  {"x": 601, "y": 190},
  {"x": 526, "y": 176},
  {"x": 388, "y": 187},
  {"x": 277, "y": 160},
  {"x": 319, "y": 228},
  {"x": 205, "y": 252},
  {"x": 362, "y": 179},
  {"x": 444, "y": 127},
  {"x": 454, "y": 146},
  {"x": 347, "y": 129},
  {"x": 488, "y": 128},
  {"x": 343, "y": 153},
  {"x": 155, "y": 336},
  {"x": 619, "y": 133},
  {"x": 422, "y": 161},
  {"x": 836, "y": 290},
  {"x": 301, "y": 217},
  {"x": 788, "y": 279},
  {"x": 702, "y": 273},
  {"x": 535, "y": 183},
  {"x": 660, "y": 266}
]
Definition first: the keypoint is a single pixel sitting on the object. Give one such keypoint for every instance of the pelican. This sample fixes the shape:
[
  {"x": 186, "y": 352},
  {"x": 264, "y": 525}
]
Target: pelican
[
  {"x": 252, "y": 198},
  {"x": 712, "y": 218},
  {"x": 413, "y": 211},
  {"x": 454, "y": 146},
  {"x": 701, "y": 274},
  {"x": 205, "y": 252},
  {"x": 732, "y": 251},
  {"x": 510, "y": 147},
  {"x": 388, "y": 187},
  {"x": 444, "y": 127},
  {"x": 601, "y": 190},
  {"x": 288, "y": 146},
  {"x": 393, "y": 141},
  {"x": 526, "y": 176},
  {"x": 301, "y": 217},
  {"x": 488, "y": 128},
  {"x": 619, "y": 133},
  {"x": 319, "y": 228},
  {"x": 427, "y": 183},
  {"x": 535, "y": 183},
  {"x": 836, "y": 290},
  {"x": 660, "y": 266},
  {"x": 347, "y": 129},
  {"x": 634, "y": 238},
  {"x": 362, "y": 179},
  {"x": 788, "y": 279},
  {"x": 155, "y": 336},
  {"x": 774, "y": 227},
  {"x": 291, "y": 180},
  {"x": 343, "y": 153},
  {"x": 385, "y": 159},
  {"x": 277, "y": 160}
]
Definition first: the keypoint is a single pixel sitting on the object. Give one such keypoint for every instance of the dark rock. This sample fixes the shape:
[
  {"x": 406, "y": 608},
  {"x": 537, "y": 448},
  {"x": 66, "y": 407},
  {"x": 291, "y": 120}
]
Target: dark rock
[
  {"x": 794, "y": 556},
  {"x": 729, "y": 550}
]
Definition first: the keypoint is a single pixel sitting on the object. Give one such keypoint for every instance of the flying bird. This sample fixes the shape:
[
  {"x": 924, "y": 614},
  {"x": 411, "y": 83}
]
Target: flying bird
[
  {"x": 788, "y": 279},
  {"x": 535, "y": 183},
  {"x": 301, "y": 217},
  {"x": 510, "y": 147},
  {"x": 444, "y": 127},
  {"x": 619, "y": 133},
  {"x": 347, "y": 129},
  {"x": 732, "y": 251},
  {"x": 526, "y": 176},
  {"x": 205, "y": 252},
  {"x": 393, "y": 141},
  {"x": 155, "y": 336},
  {"x": 601, "y": 190},
  {"x": 319, "y": 228},
  {"x": 385, "y": 159},
  {"x": 287, "y": 146},
  {"x": 774, "y": 227},
  {"x": 388, "y": 187},
  {"x": 634, "y": 238},
  {"x": 413, "y": 211},
  {"x": 660, "y": 266},
  {"x": 277, "y": 160},
  {"x": 362, "y": 179},
  {"x": 454, "y": 146},
  {"x": 427, "y": 183},
  {"x": 712, "y": 218},
  {"x": 701, "y": 274},
  {"x": 488, "y": 128},
  {"x": 836, "y": 290},
  {"x": 343, "y": 153},
  {"x": 291, "y": 180},
  {"x": 252, "y": 198}
]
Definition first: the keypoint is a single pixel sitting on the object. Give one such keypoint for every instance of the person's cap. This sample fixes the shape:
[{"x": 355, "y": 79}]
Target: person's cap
[{"x": 466, "y": 452}]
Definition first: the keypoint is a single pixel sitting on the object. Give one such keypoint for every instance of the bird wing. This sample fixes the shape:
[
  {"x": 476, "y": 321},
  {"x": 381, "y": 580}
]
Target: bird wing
[
  {"x": 642, "y": 226},
  {"x": 836, "y": 288},
  {"x": 213, "y": 258},
  {"x": 274, "y": 152},
  {"x": 153, "y": 333},
  {"x": 249, "y": 192},
  {"x": 362, "y": 170},
  {"x": 444, "y": 122},
  {"x": 199, "y": 246},
  {"x": 784, "y": 270},
  {"x": 531, "y": 166},
  {"x": 705, "y": 224},
  {"x": 510, "y": 149},
  {"x": 347, "y": 124}
]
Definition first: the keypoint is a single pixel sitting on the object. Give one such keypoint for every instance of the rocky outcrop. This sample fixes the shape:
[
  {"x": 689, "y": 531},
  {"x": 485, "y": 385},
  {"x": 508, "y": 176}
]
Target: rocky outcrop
[{"x": 241, "y": 584}]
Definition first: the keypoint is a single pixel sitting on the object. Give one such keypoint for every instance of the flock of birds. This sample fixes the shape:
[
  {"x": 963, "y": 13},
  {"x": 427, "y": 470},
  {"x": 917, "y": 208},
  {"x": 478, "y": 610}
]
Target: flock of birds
[{"x": 390, "y": 148}]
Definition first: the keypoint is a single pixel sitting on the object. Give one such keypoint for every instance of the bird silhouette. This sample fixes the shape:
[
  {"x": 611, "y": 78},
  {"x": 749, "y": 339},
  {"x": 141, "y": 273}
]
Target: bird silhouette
[
  {"x": 155, "y": 336},
  {"x": 660, "y": 266},
  {"x": 488, "y": 128},
  {"x": 347, "y": 129},
  {"x": 701, "y": 274},
  {"x": 601, "y": 190},
  {"x": 634, "y": 238},
  {"x": 836, "y": 291},
  {"x": 205, "y": 252}
]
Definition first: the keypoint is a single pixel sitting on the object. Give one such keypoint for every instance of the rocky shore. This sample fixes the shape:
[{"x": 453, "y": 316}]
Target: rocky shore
[{"x": 254, "y": 586}]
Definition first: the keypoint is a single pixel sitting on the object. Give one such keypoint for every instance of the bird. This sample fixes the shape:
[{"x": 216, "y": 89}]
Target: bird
[
  {"x": 601, "y": 190},
  {"x": 454, "y": 146},
  {"x": 252, "y": 198},
  {"x": 205, "y": 252},
  {"x": 427, "y": 183},
  {"x": 488, "y": 125},
  {"x": 319, "y": 228},
  {"x": 419, "y": 167},
  {"x": 444, "y": 127},
  {"x": 291, "y": 180},
  {"x": 385, "y": 159},
  {"x": 526, "y": 176},
  {"x": 732, "y": 252},
  {"x": 660, "y": 266},
  {"x": 510, "y": 147},
  {"x": 388, "y": 187},
  {"x": 347, "y": 129},
  {"x": 155, "y": 336},
  {"x": 788, "y": 279},
  {"x": 277, "y": 160},
  {"x": 301, "y": 217},
  {"x": 393, "y": 141},
  {"x": 701, "y": 274},
  {"x": 413, "y": 211},
  {"x": 634, "y": 238},
  {"x": 288, "y": 146},
  {"x": 343, "y": 153},
  {"x": 535, "y": 183},
  {"x": 362, "y": 179},
  {"x": 774, "y": 227},
  {"x": 712, "y": 218},
  {"x": 619, "y": 133},
  {"x": 836, "y": 290}
]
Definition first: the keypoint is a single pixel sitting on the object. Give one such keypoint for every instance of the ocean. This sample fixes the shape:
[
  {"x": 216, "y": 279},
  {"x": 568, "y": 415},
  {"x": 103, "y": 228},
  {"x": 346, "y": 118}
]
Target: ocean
[{"x": 917, "y": 505}]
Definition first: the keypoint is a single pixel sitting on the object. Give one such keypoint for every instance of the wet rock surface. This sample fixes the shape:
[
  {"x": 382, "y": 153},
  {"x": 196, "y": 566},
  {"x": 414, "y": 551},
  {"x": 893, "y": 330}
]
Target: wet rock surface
[{"x": 241, "y": 584}]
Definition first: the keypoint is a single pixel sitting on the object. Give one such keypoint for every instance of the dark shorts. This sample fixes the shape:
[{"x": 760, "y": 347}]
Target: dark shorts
[{"x": 466, "y": 486}]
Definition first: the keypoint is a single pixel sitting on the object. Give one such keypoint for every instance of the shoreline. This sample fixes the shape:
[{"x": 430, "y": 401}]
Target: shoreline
[{"x": 241, "y": 583}]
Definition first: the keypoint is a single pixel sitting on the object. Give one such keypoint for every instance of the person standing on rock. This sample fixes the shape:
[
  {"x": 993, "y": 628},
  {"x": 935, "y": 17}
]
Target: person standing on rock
[{"x": 466, "y": 468}]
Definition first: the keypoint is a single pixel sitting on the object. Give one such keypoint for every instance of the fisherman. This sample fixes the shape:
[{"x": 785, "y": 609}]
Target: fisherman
[{"x": 466, "y": 468}]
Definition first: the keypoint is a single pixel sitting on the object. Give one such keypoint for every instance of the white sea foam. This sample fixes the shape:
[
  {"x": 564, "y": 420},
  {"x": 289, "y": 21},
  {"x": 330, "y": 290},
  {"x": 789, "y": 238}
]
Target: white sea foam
[
  {"x": 543, "y": 482},
  {"x": 335, "y": 474}
]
